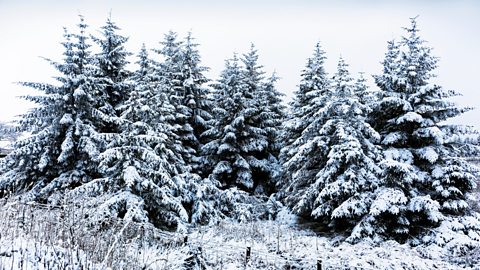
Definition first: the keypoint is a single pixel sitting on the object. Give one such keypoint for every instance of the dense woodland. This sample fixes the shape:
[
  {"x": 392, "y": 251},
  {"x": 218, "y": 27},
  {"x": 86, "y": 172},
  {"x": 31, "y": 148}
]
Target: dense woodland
[{"x": 166, "y": 145}]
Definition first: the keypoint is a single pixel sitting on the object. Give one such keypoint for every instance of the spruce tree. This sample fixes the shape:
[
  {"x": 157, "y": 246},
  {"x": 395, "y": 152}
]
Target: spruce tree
[
  {"x": 181, "y": 70},
  {"x": 169, "y": 73},
  {"x": 426, "y": 179},
  {"x": 306, "y": 118},
  {"x": 195, "y": 99},
  {"x": 241, "y": 150},
  {"x": 112, "y": 75},
  {"x": 307, "y": 100},
  {"x": 143, "y": 173},
  {"x": 226, "y": 154},
  {"x": 271, "y": 117},
  {"x": 63, "y": 148},
  {"x": 340, "y": 192},
  {"x": 267, "y": 114}
]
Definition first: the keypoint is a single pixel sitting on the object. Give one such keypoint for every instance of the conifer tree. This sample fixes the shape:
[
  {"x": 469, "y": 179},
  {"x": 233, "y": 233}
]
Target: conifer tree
[
  {"x": 143, "y": 173},
  {"x": 425, "y": 178},
  {"x": 241, "y": 147},
  {"x": 229, "y": 154},
  {"x": 62, "y": 151},
  {"x": 226, "y": 153},
  {"x": 340, "y": 192},
  {"x": 181, "y": 70},
  {"x": 112, "y": 82},
  {"x": 273, "y": 114},
  {"x": 267, "y": 114},
  {"x": 308, "y": 98},
  {"x": 195, "y": 99},
  {"x": 306, "y": 118}
]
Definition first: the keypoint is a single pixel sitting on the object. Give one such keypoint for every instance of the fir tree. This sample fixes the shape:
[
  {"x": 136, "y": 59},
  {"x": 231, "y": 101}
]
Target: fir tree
[
  {"x": 274, "y": 113},
  {"x": 306, "y": 118},
  {"x": 195, "y": 99},
  {"x": 181, "y": 70},
  {"x": 224, "y": 153},
  {"x": 308, "y": 98},
  {"x": 241, "y": 150},
  {"x": 267, "y": 114},
  {"x": 340, "y": 192},
  {"x": 62, "y": 151},
  {"x": 113, "y": 85},
  {"x": 143, "y": 173},
  {"x": 425, "y": 178}
]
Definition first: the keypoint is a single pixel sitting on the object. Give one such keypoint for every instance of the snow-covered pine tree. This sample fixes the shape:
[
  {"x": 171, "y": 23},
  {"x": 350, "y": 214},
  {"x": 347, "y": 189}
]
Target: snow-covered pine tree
[
  {"x": 62, "y": 151},
  {"x": 366, "y": 95},
  {"x": 425, "y": 177},
  {"x": 113, "y": 85},
  {"x": 169, "y": 73},
  {"x": 195, "y": 98},
  {"x": 264, "y": 117},
  {"x": 224, "y": 154},
  {"x": 143, "y": 173},
  {"x": 341, "y": 191},
  {"x": 306, "y": 110},
  {"x": 274, "y": 114},
  {"x": 307, "y": 100},
  {"x": 228, "y": 155},
  {"x": 181, "y": 70}
]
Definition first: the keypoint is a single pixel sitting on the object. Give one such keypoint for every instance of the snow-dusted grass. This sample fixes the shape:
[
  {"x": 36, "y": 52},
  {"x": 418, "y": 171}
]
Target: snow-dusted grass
[{"x": 37, "y": 237}]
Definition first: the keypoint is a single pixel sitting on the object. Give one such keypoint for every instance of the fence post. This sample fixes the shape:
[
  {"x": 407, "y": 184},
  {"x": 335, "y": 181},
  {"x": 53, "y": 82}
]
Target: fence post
[
  {"x": 319, "y": 264},
  {"x": 247, "y": 255}
]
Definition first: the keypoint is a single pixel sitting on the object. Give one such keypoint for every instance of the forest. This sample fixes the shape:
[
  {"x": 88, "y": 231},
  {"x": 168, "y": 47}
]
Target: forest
[{"x": 164, "y": 146}]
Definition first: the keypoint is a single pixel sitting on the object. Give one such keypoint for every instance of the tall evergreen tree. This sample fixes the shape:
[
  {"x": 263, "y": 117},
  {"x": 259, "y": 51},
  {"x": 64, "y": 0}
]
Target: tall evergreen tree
[
  {"x": 226, "y": 153},
  {"x": 143, "y": 173},
  {"x": 182, "y": 72},
  {"x": 425, "y": 178},
  {"x": 308, "y": 98},
  {"x": 306, "y": 118},
  {"x": 273, "y": 114},
  {"x": 340, "y": 192},
  {"x": 62, "y": 151},
  {"x": 195, "y": 99},
  {"x": 267, "y": 114},
  {"x": 241, "y": 150},
  {"x": 113, "y": 85}
]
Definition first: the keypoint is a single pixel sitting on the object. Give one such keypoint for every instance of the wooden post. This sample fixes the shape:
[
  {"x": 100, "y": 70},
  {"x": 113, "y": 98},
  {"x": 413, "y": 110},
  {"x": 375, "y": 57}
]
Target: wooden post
[
  {"x": 247, "y": 255},
  {"x": 319, "y": 264}
]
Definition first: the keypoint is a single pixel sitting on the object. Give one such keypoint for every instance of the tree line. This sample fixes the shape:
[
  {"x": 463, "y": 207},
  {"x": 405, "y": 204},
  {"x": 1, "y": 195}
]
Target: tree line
[{"x": 164, "y": 144}]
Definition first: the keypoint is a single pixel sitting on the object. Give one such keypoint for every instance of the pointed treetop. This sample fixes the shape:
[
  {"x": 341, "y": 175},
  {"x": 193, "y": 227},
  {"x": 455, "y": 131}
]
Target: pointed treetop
[
  {"x": 82, "y": 24},
  {"x": 143, "y": 62},
  {"x": 342, "y": 79},
  {"x": 170, "y": 44},
  {"x": 319, "y": 53},
  {"x": 250, "y": 59},
  {"x": 315, "y": 64}
]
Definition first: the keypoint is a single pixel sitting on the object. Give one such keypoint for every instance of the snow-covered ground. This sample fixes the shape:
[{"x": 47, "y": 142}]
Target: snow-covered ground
[{"x": 36, "y": 237}]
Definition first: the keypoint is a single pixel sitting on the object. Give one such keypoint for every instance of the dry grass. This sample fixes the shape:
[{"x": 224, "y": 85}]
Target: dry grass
[{"x": 62, "y": 231}]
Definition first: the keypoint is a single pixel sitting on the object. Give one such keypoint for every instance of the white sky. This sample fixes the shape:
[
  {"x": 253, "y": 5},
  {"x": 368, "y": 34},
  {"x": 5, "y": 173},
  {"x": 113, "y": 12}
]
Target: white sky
[{"x": 284, "y": 33}]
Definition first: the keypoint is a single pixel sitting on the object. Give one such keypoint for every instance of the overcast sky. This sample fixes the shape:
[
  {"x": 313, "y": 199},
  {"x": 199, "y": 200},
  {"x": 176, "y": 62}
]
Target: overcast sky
[{"x": 284, "y": 33}]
